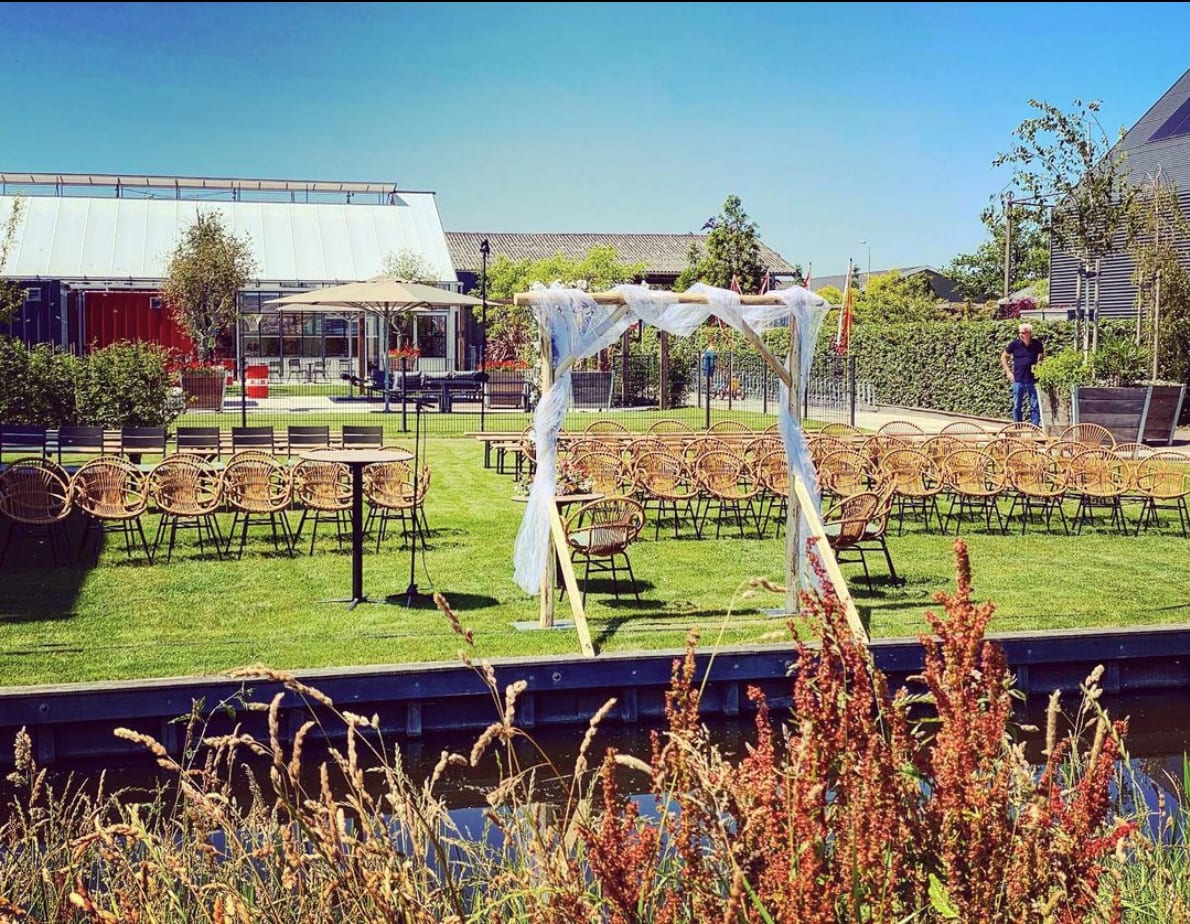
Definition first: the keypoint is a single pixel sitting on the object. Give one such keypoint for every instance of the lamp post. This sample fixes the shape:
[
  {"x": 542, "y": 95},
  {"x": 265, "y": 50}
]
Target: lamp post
[
  {"x": 868, "y": 278},
  {"x": 484, "y": 250}
]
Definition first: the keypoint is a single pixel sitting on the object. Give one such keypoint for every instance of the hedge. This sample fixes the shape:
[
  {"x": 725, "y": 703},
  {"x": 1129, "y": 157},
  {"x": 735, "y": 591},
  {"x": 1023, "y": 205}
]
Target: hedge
[{"x": 125, "y": 384}]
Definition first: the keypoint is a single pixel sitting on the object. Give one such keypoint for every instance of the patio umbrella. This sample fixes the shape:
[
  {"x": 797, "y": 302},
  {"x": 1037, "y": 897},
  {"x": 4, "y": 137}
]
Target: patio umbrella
[{"x": 383, "y": 296}]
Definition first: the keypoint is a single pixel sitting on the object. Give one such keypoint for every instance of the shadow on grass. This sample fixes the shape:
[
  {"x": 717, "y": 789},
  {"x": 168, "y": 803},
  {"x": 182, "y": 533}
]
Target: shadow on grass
[
  {"x": 425, "y": 601},
  {"x": 36, "y": 588}
]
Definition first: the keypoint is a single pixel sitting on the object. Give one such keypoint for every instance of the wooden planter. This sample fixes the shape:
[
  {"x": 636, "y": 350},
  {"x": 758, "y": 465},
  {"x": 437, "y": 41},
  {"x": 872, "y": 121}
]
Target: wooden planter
[
  {"x": 204, "y": 390},
  {"x": 506, "y": 389},
  {"x": 1056, "y": 413},
  {"x": 1135, "y": 414}
]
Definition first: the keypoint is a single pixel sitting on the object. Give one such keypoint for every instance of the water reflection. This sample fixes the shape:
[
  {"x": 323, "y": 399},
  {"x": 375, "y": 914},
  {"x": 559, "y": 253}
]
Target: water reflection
[{"x": 1158, "y": 737}]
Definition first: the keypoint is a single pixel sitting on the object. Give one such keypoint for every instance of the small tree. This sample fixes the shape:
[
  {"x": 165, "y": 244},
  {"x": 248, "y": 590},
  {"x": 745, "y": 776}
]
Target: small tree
[
  {"x": 1067, "y": 159},
  {"x": 204, "y": 276},
  {"x": 1159, "y": 277},
  {"x": 11, "y": 294},
  {"x": 980, "y": 275},
  {"x": 510, "y": 336},
  {"x": 732, "y": 249},
  {"x": 409, "y": 266}
]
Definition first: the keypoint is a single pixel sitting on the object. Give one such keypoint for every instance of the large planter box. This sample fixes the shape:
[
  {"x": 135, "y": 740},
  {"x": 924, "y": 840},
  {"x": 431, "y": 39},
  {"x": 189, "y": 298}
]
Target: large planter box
[
  {"x": 506, "y": 389},
  {"x": 1141, "y": 413},
  {"x": 592, "y": 390},
  {"x": 1056, "y": 413},
  {"x": 204, "y": 390}
]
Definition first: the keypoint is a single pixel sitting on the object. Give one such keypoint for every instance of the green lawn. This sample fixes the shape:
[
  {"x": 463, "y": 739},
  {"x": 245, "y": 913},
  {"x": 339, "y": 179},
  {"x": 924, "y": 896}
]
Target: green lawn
[{"x": 122, "y": 620}]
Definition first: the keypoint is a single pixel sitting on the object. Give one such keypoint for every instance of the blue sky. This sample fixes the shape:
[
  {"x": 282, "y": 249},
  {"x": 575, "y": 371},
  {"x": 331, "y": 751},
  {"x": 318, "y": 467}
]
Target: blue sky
[{"x": 834, "y": 123}]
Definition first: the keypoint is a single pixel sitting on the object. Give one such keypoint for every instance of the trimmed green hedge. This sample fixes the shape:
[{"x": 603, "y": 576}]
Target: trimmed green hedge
[
  {"x": 125, "y": 384},
  {"x": 948, "y": 366}
]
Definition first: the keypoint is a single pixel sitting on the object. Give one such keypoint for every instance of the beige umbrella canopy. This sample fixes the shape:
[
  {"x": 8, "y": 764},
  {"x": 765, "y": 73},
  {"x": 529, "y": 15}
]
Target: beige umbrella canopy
[{"x": 383, "y": 296}]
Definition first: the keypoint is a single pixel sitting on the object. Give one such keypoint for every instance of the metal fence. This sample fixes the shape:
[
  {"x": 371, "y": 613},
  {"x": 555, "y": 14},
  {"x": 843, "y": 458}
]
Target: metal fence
[{"x": 742, "y": 387}]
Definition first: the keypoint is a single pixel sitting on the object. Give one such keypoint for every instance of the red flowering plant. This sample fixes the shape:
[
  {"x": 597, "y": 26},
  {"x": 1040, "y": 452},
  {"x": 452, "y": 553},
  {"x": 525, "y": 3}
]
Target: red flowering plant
[
  {"x": 867, "y": 812},
  {"x": 498, "y": 365}
]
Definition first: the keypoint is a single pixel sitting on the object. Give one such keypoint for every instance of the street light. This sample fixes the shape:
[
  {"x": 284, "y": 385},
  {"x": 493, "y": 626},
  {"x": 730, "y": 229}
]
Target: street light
[
  {"x": 484, "y": 249},
  {"x": 868, "y": 278}
]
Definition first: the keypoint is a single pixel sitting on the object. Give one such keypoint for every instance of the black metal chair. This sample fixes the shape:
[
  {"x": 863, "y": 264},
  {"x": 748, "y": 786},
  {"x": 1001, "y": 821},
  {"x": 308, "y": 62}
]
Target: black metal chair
[
  {"x": 201, "y": 441},
  {"x": 138, "y": 441},
  {"x": 252, "y": 438},
  {"x": 361, "y": 437},
  {"x": 21, "y": 438},
  {"x": 79, "y": 440},
  {"x": 302, "y": 439}
]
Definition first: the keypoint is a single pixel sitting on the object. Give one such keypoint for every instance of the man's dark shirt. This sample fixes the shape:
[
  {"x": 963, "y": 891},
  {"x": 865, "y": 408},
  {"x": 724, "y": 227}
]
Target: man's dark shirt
[{"x": 1024, "y": 358}]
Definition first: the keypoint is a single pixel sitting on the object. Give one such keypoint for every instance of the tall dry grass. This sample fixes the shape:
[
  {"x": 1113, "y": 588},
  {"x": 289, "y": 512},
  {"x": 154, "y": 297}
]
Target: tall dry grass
[{"x": 865, "y": 804}]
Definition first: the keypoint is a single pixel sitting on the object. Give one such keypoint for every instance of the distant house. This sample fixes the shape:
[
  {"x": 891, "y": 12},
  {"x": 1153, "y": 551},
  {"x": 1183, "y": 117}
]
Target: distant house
[
  {"x": 1160, "y": 138},
  {"x": 665, "y": 256},
  {"x": 943, "y": 287}
]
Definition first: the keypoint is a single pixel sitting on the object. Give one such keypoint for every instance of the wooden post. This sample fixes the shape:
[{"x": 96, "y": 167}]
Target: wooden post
[
  {"x": 793, "y": 520},
  {"x": 546, "y": 608},
  {"x": 663, "y": 388}
]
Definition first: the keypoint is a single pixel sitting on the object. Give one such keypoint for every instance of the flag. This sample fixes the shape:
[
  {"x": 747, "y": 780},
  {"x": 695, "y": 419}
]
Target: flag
[
  {"x": 735, "y": 283},
  {"x": 809, "y": 273},
  {"x": 765, "y": 282},
  {"x": 843, "y": 334}
]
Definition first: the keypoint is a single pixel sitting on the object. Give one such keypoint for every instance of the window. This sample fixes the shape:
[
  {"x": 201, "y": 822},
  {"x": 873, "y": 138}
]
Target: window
[{"x": 431, "y": 335}]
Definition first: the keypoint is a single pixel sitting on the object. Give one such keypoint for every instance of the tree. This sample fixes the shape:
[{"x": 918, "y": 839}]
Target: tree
[
  {"x": 893, "y": 298},
  {"x": 511, "y": 333},
  {"x": 1162, "y": 285},
  {"x": 12, "y": 295},
  {"x": 732, "y": 250},
  {"x": 832, "y": 295},
  {"x": 409, "y": 266},
  {"x": 1066, "y": 159},
  {"x": 980, "y": 275},
  {"x": 204, "y": 276}
]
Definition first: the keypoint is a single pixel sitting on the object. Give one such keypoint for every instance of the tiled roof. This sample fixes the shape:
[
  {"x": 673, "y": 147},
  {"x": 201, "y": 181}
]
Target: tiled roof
[{"x": 661, "y": 253}]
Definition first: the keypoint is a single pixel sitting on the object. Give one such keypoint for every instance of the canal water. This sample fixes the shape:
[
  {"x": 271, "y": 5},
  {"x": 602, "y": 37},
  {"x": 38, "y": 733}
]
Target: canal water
[{"x": 1158, "y": 738}]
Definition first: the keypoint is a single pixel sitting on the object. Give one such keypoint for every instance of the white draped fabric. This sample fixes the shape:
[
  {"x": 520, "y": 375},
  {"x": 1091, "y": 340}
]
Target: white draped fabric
[{"x": 579, "y": 327}]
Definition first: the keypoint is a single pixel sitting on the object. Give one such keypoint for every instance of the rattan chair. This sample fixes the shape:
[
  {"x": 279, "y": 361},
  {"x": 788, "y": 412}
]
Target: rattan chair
[
  {"x": 324, "y": 489},
  {"x": 188, "y": 492},
  {"x": 1099, "y": 477},
  {"x": 915, "y": 481},
  {"x": 1092, "y": 436},
  {"x": 1023, "y": 430},
  {"x": 258, "y": 487},
  {"x": 664, "y": 479},
  {"x": 844, "y": 472},
  {"x": 976, "y": 481},
  {"x": 1038, "y": 482},
  {"x": 600, "y": 532},
  {"x": 772, "y": 473},
  {"x": 1163, "y": 480},
  {"x": 389, "y": 490},
  {"x": 965, "y": 430},
  {"x": 111, "y": 491},
  {"x": 842, "y": 431},
  {"x": 670, "y": 427},
  {"x": 731, "y": 429},
  {"x": 725, "y": 481},
  {"x": 844, "y": 525},
  {"x": 35, "y": 499}
]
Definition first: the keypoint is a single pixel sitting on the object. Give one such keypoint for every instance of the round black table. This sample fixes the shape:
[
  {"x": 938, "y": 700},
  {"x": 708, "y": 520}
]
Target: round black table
[{"x": 356, "y": 459}]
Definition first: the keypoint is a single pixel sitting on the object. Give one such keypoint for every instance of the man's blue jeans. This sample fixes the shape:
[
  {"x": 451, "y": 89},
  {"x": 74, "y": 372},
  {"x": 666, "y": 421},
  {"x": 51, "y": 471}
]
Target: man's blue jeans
[{"x": 1021, "y": 391}]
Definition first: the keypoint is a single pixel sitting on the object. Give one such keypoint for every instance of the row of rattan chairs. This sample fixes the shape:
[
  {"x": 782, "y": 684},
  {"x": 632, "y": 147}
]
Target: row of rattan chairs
[
  {"x": 1035, "y": 481},
  {"x": 189, "y": 492}
]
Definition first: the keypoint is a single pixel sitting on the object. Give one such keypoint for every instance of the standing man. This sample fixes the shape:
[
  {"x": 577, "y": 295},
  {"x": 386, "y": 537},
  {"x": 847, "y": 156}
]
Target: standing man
[{"x": 1024, "y": 353}]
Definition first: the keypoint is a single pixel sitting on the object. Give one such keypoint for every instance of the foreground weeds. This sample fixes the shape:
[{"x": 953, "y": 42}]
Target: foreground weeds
[{"x": 864, "y": 805}]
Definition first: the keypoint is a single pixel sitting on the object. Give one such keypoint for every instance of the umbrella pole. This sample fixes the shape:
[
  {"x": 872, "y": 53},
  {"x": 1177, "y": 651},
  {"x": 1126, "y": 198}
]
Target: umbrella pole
[{"x": 382, "y": 345}]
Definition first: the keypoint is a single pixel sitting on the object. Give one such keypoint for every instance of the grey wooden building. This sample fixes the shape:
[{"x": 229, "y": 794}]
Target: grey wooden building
[{"x": 1161, "y": 138}]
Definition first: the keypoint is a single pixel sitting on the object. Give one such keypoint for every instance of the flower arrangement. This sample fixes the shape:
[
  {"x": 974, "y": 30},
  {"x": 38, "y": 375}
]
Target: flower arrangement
[{"x": 572, "y": 478}]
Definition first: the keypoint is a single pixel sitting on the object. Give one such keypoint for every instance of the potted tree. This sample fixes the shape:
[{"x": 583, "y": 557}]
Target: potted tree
[
  {"x": 1108, "y": 389},
  {"x": 203, "y": 278}
]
